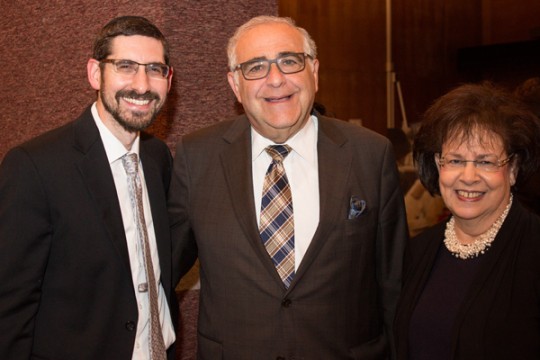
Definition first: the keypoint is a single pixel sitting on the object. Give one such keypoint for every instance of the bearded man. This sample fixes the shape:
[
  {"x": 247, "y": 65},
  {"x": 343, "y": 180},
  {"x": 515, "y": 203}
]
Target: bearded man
[{"x": 84, "y": 245}]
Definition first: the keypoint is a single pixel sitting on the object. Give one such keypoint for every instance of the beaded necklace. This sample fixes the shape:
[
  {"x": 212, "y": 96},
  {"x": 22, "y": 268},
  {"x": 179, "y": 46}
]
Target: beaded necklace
[{"x": 480, "y": 245}]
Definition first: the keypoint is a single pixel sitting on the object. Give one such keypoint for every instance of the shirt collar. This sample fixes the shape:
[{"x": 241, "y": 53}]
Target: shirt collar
[{"x": 304, "y": 142}]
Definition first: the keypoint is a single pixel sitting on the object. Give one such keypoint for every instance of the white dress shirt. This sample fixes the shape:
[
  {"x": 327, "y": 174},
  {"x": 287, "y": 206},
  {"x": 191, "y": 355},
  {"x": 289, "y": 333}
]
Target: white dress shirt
[
  {"x": 115, "y": 151},
  {"x": 302, "y": 171}
]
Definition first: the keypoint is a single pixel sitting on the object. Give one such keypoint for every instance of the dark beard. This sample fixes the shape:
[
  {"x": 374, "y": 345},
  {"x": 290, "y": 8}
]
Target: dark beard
[{"x": 136, "y": 125}]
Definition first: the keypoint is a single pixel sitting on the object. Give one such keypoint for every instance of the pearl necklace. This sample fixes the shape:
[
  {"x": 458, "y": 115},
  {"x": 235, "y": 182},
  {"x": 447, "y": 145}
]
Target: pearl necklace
[{"x": 480, "y": 245}]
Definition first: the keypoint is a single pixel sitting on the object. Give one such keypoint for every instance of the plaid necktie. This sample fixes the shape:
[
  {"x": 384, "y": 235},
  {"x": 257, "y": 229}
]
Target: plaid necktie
[
  {"x": 157, "y": 345},
  {"x": 277, "y": 223}
]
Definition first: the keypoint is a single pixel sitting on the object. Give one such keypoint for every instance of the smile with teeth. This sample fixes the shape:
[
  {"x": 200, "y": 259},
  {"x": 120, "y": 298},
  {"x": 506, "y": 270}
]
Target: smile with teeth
[
  {"x": 139, "y": 102},
  {"x": 469, "y": 194},
  {"x": 278, "y": 99}
]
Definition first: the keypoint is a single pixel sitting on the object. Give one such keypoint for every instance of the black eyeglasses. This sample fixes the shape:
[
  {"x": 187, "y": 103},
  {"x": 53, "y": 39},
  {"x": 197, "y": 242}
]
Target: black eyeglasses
[
  {"x": 130, "y": 68},
  {"x": 288, "y": 63}
]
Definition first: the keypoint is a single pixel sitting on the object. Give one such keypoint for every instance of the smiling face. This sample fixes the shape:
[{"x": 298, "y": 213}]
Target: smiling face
[
  {"x": 279, "y": 105},
  {"x": 476, "y": 197},
  {"x": 129, "y": 103}
]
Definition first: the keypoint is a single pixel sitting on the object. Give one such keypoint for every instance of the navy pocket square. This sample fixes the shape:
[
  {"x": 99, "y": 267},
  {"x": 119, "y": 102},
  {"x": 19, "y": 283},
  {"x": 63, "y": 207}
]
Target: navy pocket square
[{"x": 357, "y": 207}]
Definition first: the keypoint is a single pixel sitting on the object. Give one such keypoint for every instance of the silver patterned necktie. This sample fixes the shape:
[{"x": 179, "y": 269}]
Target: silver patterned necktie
[
  {"x": 157, "y": 345},
  {"x": 277, "y": 222}
]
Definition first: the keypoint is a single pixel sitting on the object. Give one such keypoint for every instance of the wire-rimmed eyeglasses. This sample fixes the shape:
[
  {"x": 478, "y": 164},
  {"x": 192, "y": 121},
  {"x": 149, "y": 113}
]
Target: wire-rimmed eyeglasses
[
  {"x": 288, "y": 63},
  {"x": 130, "y": 67},
  {"x": 489, "y": 163}
]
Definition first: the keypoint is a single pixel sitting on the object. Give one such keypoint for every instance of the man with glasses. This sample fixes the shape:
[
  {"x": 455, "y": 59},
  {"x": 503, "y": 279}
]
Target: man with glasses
[
  {"x": 297, "y": 219},
  {"x": 84, "y": 237}
]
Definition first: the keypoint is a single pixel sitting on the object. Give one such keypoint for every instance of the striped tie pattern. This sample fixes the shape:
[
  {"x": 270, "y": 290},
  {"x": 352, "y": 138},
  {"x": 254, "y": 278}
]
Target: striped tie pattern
[
  {"x": 157, "y": 345},
  {"x": 277, "y": 223}
]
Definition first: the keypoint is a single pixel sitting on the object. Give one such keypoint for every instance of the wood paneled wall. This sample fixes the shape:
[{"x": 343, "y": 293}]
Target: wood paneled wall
[
  {"x": 426, "y": 38},
  {"x": 505, "y": 21},
  {"x": 350, "y": 36}
]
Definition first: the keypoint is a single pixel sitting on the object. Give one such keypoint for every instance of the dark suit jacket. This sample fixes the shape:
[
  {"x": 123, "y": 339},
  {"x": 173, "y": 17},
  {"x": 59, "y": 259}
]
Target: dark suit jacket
[
  {"x": 500, "y": 316},
  {"x": 343, "y": 295},
  {"x": 66, "y": 289}
]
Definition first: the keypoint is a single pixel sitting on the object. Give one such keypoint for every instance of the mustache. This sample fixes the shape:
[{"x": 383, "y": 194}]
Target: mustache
[{"x": 132, "y": 94}]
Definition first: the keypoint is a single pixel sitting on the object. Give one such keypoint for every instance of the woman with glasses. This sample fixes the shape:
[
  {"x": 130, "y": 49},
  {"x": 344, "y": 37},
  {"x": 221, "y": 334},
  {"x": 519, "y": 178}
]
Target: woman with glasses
[{"x": 472, "y": 283}]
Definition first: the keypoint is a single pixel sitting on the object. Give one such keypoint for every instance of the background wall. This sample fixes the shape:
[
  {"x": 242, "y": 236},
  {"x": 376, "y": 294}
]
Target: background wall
[
  {"x": 506, "y": 21},
  {"x": 428, "y": 38},
  {"x": 350, "y": 37},
  {"x": 46, "y": 44}
]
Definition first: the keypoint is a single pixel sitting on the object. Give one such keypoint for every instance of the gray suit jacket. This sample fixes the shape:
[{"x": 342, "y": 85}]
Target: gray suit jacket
[
  {"x": 341, "y": 302},
  {"x": 66, "y": 290}
]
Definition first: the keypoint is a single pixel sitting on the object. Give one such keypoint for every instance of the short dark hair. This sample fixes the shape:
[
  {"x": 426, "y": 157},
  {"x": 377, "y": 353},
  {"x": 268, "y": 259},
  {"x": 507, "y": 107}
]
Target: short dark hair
[
  {"x": 127, "y": 26},
  {"x": 464, "y": 112}
]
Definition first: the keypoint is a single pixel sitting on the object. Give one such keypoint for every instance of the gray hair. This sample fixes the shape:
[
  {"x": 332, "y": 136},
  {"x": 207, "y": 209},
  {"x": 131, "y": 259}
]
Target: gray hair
[{"x": 309, "y": 44}]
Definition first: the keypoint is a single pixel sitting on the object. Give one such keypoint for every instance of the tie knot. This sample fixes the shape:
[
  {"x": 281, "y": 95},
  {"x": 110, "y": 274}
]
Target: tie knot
[
  {"x": 278, "y": 152},
  {"x": 131, "y": 163}
]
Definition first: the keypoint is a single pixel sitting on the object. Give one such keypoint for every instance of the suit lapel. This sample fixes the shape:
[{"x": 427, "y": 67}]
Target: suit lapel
[
  {"x": 334, "y": 162},
  {"x": 236, "y": 161},
  {"x": 96, "y": 174},
  {"x": 334, "y": 167}
]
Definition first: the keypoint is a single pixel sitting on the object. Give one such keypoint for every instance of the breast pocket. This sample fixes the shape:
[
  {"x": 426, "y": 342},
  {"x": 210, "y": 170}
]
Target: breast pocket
[{"x": 364, "y": 225}]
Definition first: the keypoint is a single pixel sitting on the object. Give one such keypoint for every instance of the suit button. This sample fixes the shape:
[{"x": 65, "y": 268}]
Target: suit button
[
  {"x": 286, "y": 303},
  {"x": 130, "y": 326}
]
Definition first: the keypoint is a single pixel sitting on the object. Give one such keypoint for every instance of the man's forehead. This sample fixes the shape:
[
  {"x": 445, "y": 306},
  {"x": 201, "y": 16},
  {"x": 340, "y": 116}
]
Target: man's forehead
[
  {"x": 268, "y": 41},
  {"x": 137, "y": 45}
]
